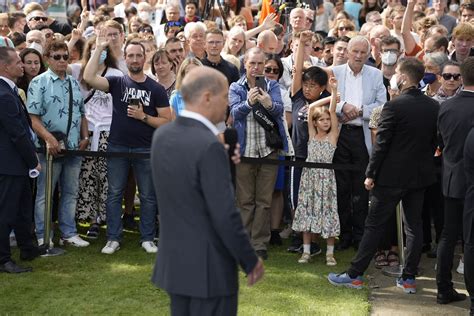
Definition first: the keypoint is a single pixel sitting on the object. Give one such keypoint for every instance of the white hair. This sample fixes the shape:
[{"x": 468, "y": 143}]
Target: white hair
[
  {"x": 193, "y": 27},
  {"x": 359, "y": 39}
]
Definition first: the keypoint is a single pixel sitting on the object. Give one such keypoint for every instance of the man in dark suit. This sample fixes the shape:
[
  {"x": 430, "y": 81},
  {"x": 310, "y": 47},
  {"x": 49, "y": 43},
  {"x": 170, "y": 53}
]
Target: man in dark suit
[
  {"x": 400, "y": 168},
  {"x": 468, "y": 218},
  {"x": 17, "y": 157},
  {"x": 456, "y": 117},
  {"x": 202, "y": 238}
]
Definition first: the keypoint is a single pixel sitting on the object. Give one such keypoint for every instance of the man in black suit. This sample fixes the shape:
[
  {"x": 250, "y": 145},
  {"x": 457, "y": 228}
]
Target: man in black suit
[
  {"x": 202, "y": 238},
  {"x": 17, "y": 157},
  {"x": 400, "y": 168},
  {"x": 468, "y": 218},
  {"x": 456, "y": 117}
]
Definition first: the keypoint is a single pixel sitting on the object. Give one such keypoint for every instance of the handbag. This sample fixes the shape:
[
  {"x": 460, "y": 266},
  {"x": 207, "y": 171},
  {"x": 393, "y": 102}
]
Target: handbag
[
  {"x": 264, "y": 119},
  {"x": 60, "y": 136}
]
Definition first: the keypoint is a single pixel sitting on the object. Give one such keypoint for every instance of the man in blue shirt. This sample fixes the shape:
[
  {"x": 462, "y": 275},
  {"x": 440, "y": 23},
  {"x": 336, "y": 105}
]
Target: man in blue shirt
[{"x": 49, "y": 103}]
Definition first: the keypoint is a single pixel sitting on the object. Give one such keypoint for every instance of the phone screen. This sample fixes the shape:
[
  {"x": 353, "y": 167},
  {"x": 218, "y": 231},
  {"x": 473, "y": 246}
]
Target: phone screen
[{"x": 134, "y": 103}]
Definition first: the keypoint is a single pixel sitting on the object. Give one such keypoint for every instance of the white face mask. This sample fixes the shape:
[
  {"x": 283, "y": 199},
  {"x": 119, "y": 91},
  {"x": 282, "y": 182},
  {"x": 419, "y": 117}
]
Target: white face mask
[
  {"x": 394, "y": 83},
  {"x": 454, "y": 7},
  {"x": 144, "y": 15},
  {"x": 389, "y": 58}
]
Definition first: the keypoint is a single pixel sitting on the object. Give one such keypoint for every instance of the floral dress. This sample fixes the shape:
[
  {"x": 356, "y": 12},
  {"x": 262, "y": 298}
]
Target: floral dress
[{"x": 317, "y": 198}]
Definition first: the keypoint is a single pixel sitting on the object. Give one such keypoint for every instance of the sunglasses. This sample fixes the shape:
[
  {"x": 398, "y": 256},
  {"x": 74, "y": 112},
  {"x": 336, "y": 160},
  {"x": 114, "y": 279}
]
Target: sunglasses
[
  {"x": 317, "y": 49},
  {"x": 270, "y": 70},
  {"x": 39, "y": 18},
  {"x": 58, "y": 57},
  {"x": 345, "y": 28},
  {"x": 448, "y": 76}
]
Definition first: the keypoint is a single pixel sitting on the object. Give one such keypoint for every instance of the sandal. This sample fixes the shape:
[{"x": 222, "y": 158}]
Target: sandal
[
  {"x": 393, "y": 259},
  {"x": 93, "y": 232},
  {"x": 381, "y": 260},
  {"x": 330, "y": 260}
]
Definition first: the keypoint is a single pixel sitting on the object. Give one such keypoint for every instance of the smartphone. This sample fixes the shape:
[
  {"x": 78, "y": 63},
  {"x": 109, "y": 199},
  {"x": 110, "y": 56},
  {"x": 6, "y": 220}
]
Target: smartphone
[
  {"x": 260, "y": 83},
  {"x": 134, "y": 103}
]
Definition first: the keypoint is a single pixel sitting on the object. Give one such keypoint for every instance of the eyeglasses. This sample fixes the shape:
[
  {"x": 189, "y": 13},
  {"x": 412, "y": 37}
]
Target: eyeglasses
[
  {"x": 448, "y": 76},
  {"x": 345, "y": 28},
  {"x": 113, "y": 35},
  {"x": 39, "y": 18},
  {"x": 317, "y": 49},
  {"x": 270, "y": 70},
  {"x": 58, "y": 57}
]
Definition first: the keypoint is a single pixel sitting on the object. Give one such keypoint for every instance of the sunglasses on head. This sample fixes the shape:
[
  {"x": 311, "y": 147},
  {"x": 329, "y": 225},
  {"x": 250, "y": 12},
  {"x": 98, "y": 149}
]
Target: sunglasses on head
[
  {"x": 39, "y": 18},
  {"x": 59, "y": 56},
  {"x": 270, "y": 70},
  {"x": 448, "y": 76}
]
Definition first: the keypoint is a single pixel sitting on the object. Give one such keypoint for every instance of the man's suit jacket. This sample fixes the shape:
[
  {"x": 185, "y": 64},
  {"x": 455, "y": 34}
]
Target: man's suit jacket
[
  {"x": 406, "y": 142},
  {"x": 202, "y": 238},
  {"x": 468, "y": 218},
  {"x": 17, "y": 150},
  {"x": 456, "y": 116},
  {"x": 374, "y": 94}
]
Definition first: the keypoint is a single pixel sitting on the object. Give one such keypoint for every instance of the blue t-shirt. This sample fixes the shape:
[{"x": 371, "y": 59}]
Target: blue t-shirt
[{"x": 127, "y": 131}]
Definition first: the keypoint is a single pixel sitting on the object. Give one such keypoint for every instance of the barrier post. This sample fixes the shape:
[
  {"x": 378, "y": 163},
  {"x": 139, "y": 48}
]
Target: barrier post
[
  {"x": 397, "y": 271},
  {"x": 49, "y": 251}
]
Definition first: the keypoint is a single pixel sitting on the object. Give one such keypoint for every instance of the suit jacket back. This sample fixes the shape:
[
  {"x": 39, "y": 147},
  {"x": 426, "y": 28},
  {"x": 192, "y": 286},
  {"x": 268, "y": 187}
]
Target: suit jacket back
[
  {"x": 202, "y": 239},
  {"x": 456, "y": 117},
  {"x": 17, "y": 150},
  {"x": 406, "y": 142}
]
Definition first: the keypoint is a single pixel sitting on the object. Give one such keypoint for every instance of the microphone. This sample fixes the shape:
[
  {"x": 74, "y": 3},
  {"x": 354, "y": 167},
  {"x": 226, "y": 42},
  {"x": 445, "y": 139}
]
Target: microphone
[{"x": 230, "y": 138}]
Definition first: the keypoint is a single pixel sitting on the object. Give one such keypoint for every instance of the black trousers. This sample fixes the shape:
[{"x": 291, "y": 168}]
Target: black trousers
[
  {"x": 193, "y": 306},
  {"x": 453, "y": 213},
  {"x": 433, "y": 210},
  {"x": 468, "y": 230},
  {"x": 352, "y": 197},
  {"x": 16, "y": 212},
  {"x": 383, "y": 203}
]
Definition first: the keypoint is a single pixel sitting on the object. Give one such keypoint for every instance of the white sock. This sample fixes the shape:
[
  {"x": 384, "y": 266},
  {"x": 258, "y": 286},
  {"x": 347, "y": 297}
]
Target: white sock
[
  {"x": 307, "y": 248},
  {"x": 330, "y": 250}
]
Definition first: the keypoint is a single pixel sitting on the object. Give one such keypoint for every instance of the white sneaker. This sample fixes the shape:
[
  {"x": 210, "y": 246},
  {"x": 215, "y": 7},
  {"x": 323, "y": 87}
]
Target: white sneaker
[
  {"x": 13, "y": 240},
  {"x": 460, "y": 268},
  {"x": 149, "y": 247},
  {"x": 286, "y": 232},
  {"x": 110, "y": 247},
  {"x": 41, "y": 242},
  {"x": 75, "y": 241}
]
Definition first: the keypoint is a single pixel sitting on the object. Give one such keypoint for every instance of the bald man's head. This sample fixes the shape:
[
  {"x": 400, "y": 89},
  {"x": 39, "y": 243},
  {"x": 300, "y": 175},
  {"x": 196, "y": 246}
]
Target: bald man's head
[
  {"x": 267, "y": 41},
  {"x": 205, "y": 91}
]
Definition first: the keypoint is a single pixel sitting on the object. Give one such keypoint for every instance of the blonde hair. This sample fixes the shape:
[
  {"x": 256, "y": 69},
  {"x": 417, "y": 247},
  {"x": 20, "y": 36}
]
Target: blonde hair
[
  {"x": 182, "y": 70},
  {"x": 317, "y": 115}
]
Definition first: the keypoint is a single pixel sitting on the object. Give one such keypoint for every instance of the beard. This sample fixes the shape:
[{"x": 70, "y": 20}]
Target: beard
[{"x": 135, "y": 69}]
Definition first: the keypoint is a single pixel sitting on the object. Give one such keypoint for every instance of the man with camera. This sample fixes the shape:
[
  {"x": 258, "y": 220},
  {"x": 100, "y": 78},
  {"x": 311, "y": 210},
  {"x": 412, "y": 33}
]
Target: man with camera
[
  {"x": 140, "y": 106},
  {"x": 256, "y": 107},
  {"x": 56, "y": 109}
]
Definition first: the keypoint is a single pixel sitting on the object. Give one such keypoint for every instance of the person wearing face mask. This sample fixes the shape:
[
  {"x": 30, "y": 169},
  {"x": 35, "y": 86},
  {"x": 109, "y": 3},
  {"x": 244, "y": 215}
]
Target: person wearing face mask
[
  {"x": 433, "y": 64},
  {"x": 98, "y": 112}
]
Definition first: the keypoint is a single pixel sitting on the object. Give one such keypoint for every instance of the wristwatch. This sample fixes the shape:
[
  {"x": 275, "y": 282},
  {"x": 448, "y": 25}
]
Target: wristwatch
[{"x": 145, "y": 118}]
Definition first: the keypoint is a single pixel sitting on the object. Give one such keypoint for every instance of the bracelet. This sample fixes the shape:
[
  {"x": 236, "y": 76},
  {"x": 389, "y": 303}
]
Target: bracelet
[{"x": 86, "y": 138}]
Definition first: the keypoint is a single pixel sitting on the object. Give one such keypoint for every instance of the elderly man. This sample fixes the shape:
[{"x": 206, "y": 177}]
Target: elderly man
[
  {"x": 36, "y": 39},
  {"x": 202, "y": 232},
  {"x": 256, "y": 110},
  {"x": 268, "y": 42},
  {"x": 37, "y": 19},
  {"x": 55, "y": 105},
  {"x": 195, "y": 33},
  {"x": 172, "y": 15},
  {"x": 376, "y": 34},
  {"x": 362, "y": 90},
  {"x": 298, "y": 20}
]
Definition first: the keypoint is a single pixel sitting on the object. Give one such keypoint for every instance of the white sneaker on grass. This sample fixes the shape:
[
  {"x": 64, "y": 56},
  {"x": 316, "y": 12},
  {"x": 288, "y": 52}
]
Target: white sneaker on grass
[
  {"x": 41, "y": 242},
  {"x": 149, "y": 247},
  {"x": 75, "y": 241},
  {"x": 110, "y": 247}
]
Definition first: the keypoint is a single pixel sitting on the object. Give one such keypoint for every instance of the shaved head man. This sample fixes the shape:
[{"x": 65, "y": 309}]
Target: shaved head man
[{"x": 268, "y": 42}]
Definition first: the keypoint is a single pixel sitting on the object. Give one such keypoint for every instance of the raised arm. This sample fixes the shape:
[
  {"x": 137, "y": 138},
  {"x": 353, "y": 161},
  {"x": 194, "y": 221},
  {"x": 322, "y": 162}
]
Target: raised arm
[
  {"x": 334, "y": 133},
  {"x": 299, "y": 60},
  {"x": 267, "y": 24},
  {"x": 320, "y": 102},
  {"x": 311, "y": 128},
  {"x": 407, "y": 23},
  {"x": 90, "y": 72}
]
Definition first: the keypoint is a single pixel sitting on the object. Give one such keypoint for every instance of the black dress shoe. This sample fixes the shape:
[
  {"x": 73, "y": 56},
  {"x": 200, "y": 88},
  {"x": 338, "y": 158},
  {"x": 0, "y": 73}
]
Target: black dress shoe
[
  {"x": 343, "y": 245},
  {"x": 31, "y": 254},
  {"x": 12, "y": 267},
  {"x": 449, "y": 297},
  {"x": 262, "y": 254},
  {"x": 356, "y": 244}
]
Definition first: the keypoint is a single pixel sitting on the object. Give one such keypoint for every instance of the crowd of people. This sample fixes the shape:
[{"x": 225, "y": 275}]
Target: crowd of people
[{"x": 384, "y": 87}]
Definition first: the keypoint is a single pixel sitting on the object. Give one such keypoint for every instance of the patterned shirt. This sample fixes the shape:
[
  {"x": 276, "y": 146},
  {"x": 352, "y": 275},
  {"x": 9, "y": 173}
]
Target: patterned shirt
[
  {"x": 48, "y": 97},
  {"x": 256, "y": 145}
]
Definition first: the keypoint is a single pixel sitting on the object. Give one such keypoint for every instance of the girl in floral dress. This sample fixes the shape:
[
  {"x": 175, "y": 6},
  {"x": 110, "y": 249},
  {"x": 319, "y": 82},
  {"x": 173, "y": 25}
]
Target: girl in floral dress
[{"x": 317, "y": 200}]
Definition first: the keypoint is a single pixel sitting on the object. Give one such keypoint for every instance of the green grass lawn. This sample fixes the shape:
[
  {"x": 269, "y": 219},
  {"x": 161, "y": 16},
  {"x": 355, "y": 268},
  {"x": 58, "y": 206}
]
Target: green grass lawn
[{"x": 86, "y": 282}]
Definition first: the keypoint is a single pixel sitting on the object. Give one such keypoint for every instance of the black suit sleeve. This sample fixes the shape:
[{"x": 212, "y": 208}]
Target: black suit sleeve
[
  {"x": 385, "y": 132},
  {"x": 226, "y": 220},
  {"x": 10, "y": 119}
]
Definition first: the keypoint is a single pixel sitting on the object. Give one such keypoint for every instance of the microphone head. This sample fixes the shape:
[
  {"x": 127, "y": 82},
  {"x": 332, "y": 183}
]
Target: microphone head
[{"x": 230, "y": 136}]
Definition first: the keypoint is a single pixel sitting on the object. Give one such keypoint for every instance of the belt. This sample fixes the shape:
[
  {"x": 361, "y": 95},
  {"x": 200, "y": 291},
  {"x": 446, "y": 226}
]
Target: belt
[{"x": 351, "y": 127}]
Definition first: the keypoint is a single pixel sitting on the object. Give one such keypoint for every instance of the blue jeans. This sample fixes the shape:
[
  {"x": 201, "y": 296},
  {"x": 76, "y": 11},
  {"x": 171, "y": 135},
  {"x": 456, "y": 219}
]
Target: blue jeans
[
  {"x": 117, "y": 177},
  {"x": 65, "y": 170}
]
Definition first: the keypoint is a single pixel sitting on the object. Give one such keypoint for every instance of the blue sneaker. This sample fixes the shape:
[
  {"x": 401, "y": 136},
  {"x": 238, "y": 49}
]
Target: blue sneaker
[
  {"x": 408, "y": 285},
  {"x": 344, "y": 279}
]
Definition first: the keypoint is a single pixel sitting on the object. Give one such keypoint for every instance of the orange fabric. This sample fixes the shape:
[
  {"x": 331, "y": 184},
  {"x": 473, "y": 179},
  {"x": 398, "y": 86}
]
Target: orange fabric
[
  {"x": 417, "y": 52},
  {"x": 265, "y": 10}
]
